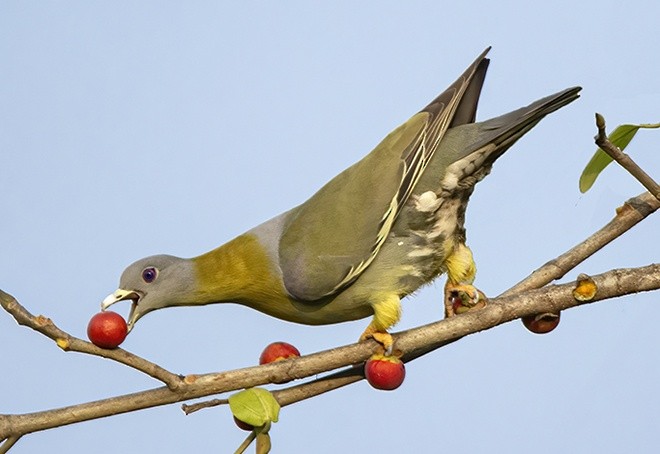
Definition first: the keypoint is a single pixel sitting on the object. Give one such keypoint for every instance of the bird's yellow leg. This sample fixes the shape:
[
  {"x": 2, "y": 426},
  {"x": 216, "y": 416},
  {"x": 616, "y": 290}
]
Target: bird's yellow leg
[
  {"x": 387, "y": 311},
  {"x": 460, "y": 294}
]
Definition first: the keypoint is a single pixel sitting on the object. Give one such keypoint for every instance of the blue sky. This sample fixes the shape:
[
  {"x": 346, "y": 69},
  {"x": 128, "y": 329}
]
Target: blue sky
[{"x": 134, "y": 128}]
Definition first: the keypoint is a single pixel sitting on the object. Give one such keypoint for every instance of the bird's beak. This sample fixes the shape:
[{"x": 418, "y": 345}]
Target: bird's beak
[{"x": 121, "y": 295}]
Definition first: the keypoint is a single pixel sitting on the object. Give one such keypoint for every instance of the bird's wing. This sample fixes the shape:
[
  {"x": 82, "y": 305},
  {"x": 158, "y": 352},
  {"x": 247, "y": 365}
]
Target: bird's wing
[{"x": 329, "y": 240}]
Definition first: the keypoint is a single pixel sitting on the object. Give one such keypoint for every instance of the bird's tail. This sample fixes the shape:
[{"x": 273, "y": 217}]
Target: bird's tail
[{"x": 505, "y": 130}]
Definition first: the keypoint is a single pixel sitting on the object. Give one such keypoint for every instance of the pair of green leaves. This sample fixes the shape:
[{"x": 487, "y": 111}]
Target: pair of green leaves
[
  {"x": 620, "y": 137},
  {"x": 255, "y": 406},
  {"x": 259, "y": 408}
]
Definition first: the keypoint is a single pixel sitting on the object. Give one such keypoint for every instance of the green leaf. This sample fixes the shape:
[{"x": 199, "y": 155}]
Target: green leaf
[
  {"x": 620, "y": 137},
  {"x": 255, "y": 406}
]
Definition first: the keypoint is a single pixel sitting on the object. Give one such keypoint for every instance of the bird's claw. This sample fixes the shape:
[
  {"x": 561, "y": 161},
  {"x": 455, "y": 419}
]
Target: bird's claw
[
  {"x": 460, "y": 298},
  {"x": 382, "y": 337}
]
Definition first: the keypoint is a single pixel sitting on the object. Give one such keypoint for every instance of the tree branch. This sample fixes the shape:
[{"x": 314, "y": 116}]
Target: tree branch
[
  {"x": 627, "y": 216},
  {"x": 68, "y": 342},
  {"x": 425, "y": 338},
  {"x": 623, "y": 159},
  {"x": 8, "y": 443}
]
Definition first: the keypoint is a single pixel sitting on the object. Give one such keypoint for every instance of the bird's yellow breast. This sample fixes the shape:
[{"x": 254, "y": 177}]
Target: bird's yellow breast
[{"x": 240, "y": 271}]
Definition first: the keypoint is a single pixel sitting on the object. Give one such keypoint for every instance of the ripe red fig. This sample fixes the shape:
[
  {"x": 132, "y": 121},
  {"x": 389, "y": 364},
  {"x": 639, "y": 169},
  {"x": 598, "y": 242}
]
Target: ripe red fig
[
  {"x": 541, "y": 323},
  {"x": 278, "y": 351},
  {"x": 107, "y": 329},
  {"x": 384, "y": 372}
]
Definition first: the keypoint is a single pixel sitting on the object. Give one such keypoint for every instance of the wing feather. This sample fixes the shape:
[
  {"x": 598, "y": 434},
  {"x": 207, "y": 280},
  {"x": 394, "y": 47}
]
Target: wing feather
[{"x": 332, "y": 238}]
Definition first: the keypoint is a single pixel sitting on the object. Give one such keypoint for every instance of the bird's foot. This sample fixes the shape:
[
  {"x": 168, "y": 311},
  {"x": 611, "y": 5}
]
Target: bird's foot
[
  {"x": 382, "y": 337},
  {"x": 460, "y": 298}
]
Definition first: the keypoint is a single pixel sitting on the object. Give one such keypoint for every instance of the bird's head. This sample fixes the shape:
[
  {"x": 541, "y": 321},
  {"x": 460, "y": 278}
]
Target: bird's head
[{"x": 153, "y": 283}]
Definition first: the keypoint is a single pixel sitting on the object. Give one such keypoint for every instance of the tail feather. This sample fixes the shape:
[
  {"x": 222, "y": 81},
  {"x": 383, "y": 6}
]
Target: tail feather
[{"x": 506, "y": 129}]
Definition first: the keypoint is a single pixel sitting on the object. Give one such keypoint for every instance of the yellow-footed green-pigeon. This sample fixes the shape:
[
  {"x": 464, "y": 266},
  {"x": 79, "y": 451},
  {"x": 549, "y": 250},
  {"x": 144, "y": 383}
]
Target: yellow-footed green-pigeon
[{"x": 375, "y": 233}]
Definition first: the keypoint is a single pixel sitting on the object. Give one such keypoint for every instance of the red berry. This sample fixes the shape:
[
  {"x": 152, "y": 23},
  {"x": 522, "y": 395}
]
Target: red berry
[
  {"x": 278, "y": 351},
  {"x": 541, "y": 323},
  {"x": 107, "y": 329},
  {"x": 243, "y": 425},
  {"x": 384, "y": 372}
]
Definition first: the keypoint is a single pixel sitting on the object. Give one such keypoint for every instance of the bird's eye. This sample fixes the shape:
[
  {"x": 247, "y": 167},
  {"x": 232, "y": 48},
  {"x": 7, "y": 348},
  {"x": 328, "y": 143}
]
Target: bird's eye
[{"x": 149, "y": 274}]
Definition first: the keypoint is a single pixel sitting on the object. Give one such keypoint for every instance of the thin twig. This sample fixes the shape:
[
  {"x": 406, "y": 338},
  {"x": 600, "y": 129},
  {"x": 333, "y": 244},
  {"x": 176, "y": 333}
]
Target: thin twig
[
  {"x": 293, "y": 394},
  {"x": 192, "y": 408},
  {"x": 68, "y": 342},
  {"x": 8, "y": 443},
  {"x": 246, "y": 443},
  {"x": 319, "y": 386},
  {"x": 627, "y": 216},
  {"x": 623, "y": 159}
]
